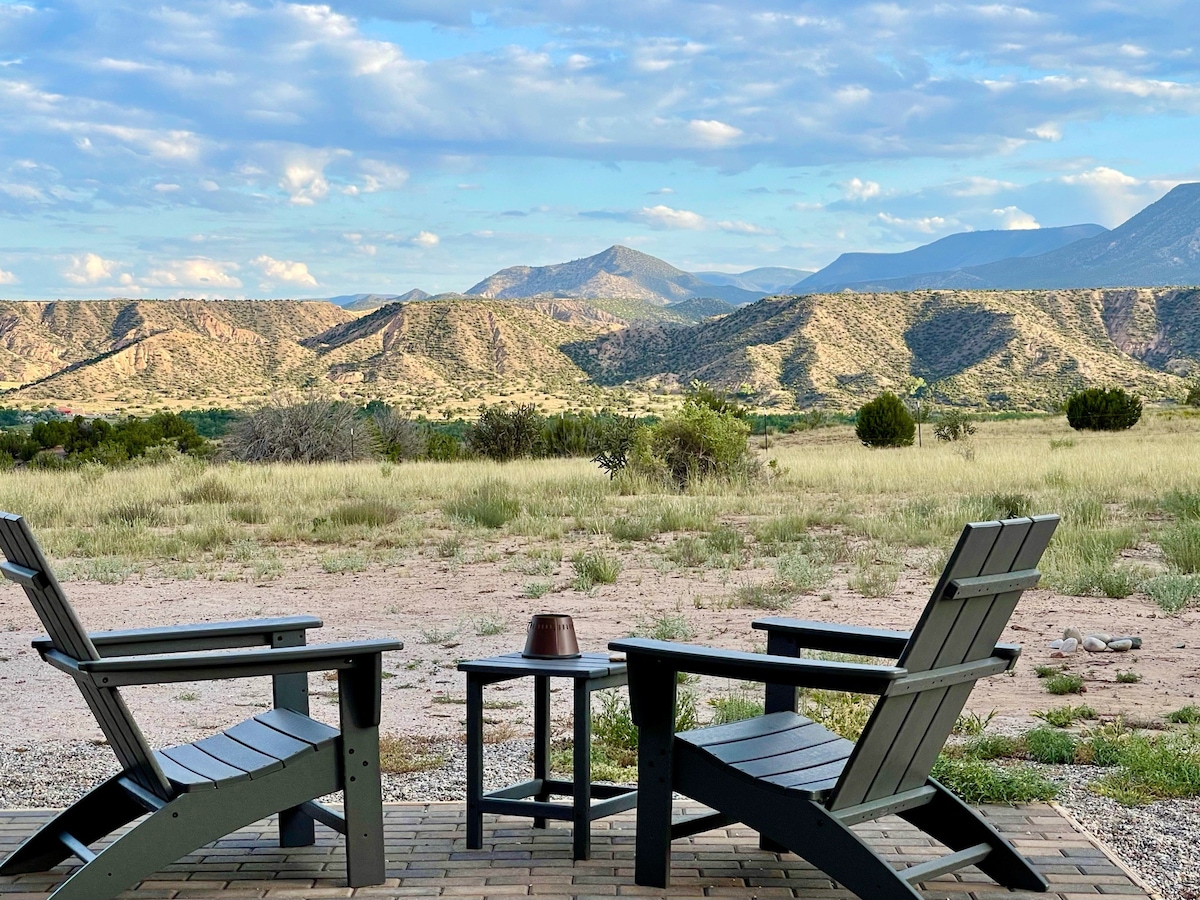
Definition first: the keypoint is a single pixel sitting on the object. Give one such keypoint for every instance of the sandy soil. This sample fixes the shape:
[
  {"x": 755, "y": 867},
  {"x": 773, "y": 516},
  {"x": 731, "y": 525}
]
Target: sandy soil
[{"x": 435, "y": 607}]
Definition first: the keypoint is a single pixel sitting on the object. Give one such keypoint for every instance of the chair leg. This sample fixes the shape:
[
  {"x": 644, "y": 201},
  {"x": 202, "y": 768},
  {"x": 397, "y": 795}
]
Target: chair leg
[
  {"x": 805, "y": 828},
  {"x": 296, "y": 828},
  {"x": 358, "y": 699},
  {"x": 101, "y": 811},
  {"x": 654, "y": 715},
  {"x": 957, "y": 825}
]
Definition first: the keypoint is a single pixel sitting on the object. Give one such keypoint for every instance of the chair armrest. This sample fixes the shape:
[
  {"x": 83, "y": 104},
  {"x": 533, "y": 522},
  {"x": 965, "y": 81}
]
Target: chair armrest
[
  {"x": 185, "y": 638},
  {"x": 675, "y": 657},
  {"x": 808, "y": 635},
  {"x": 836, "y": 638},
  {"x": 167, "y": 668}
]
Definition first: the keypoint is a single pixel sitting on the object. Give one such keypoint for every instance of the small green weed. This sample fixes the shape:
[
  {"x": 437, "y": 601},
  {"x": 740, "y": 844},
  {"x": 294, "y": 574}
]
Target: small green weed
[
  {"x": 1064, "y": 683},
  {"x": 1173, "y": 592},
  {"x": 535, "y": 589},
  {"x": 1043, "y": 671},
  {"x": 734, "y": 706},
  {"x": 979, "y": 781},
  {"x": 1051, "y": 746},
  {"x": 1186, "y": 715},
  {"x": 1129, "y": 677},
  {"x": 1064, "y": 716},
  {"x": 665, "y": 627}
]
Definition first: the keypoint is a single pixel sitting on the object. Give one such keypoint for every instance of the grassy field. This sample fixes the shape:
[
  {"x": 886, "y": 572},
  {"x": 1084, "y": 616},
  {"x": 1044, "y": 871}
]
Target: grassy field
[{"x": 1130, "y": 504}]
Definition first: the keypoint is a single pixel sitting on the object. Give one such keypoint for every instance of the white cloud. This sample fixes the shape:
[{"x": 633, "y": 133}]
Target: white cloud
[
  {"x": 857, "y": 189},
  {"x": 90, "y": 268},
  {"x": 1101, "y": 177},
  {"x": 976, "y": 186},
  {"x": 739, "y": 227},
  {"x": 381, "y": 176},
  {"x": 7, "y": 277},
  {"x": 665, "y": 217},
  {"x": 426, "y": 239},
  {"x": 196, "y": 272},
  {"x": 304, "y": 182},
  {"x": 713, "y": 133},
  {"x": 1047, "y": 131},
  {"x": 661, "y": 190},
  {"x": 1015, "y": 219},
  {"x": 166, "y": 188},
  {"x": 285, "y": 271},
  {"x": 925, "y": 225}
]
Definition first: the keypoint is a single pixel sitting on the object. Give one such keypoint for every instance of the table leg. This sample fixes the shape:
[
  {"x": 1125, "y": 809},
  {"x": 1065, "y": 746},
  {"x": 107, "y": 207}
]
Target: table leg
[
  {"x": 582, "y": 776},
  {"x": 541, "y": 738},
  {"x": 474, "y": 762}
]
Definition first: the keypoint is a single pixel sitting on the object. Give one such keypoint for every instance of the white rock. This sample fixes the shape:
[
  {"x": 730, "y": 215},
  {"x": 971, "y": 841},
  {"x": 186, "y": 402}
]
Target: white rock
[
  {"x": 1094, "y": 645},
  {"x": 1056, "y": 645},
  {"x": 1120, "y": 646},
  {"x": 1073, "y": 632},
  {"x": 1101, "y": 636},
  {"x": 1069, "y": 646}
]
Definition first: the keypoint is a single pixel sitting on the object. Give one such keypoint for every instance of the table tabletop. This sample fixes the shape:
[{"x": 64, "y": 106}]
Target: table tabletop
[{"x": 586, "y": 665}]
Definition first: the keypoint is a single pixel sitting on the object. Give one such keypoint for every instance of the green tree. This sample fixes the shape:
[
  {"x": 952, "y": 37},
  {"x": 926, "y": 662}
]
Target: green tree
[
  {"x": 1097, "y": 409},
  {"x": 885, "y": 422}
]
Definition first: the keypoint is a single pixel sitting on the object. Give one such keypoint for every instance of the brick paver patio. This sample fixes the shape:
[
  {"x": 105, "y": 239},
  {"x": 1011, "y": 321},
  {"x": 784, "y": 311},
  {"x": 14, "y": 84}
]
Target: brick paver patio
[{"x": 427, "y": 858}]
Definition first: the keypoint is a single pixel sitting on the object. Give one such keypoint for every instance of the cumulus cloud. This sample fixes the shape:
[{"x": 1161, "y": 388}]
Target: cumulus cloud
[
  {"x": 304, "y": 182},
  {"x": 197, "y": 272},
  {"x": 286, "y": 271},
  {"x": 1014, "y": 219},
  {"x": 7, "y": 277},
  {"x": 90, "y": 268},
  {"x": 665, "y": 217},
  {"x": 426, "y": 239},
  {"x": 857, "y": 189}
]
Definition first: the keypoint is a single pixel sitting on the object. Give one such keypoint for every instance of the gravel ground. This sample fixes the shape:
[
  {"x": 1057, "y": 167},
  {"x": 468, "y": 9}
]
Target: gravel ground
[{"x": 1159, "y": 842}]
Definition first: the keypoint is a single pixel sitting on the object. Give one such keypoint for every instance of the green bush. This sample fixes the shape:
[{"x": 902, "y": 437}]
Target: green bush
[
  {"x": 885, "y": 422},
  {"x": 616, "y": 435},
  {"x": 1064, "y": 683},
  {"x": 694, "y": 444},
  {"x": 1096, "y": 409},
  {"x": 953, "y": 425},
  {"x": 505, "y": 434}
]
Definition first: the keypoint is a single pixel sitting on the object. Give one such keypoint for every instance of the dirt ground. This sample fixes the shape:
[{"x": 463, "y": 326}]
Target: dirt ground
[{"x": 437, "y": 608}]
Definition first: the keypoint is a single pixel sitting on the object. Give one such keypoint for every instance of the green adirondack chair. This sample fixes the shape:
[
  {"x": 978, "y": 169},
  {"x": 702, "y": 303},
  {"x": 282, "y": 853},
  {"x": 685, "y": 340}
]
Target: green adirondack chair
[
  {"x": 801, "y": 786},
  {"x": 277, "y": 761}
]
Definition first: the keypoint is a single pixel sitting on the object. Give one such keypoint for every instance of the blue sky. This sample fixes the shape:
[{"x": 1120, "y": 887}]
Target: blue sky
[{"x": 246, "y": 149}]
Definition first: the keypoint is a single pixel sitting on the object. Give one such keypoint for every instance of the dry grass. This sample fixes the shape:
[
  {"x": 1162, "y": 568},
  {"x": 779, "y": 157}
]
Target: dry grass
[{"x": 1130, "y": 493}]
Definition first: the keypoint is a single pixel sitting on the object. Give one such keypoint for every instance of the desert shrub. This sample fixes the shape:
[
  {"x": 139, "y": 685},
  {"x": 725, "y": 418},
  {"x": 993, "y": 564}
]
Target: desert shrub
[
  {"x": 615, "y": 440},
  {"x": 699, "y": 393},
  {"x": 885, "y": 422},
  {"x": 303, "y": 429},
  {"x": 1193, "y": 394},
  {"x": 443, "y": 446},
  {"x": 953, "y": 425},
  {"x": 1096, "y": 409},
  {"x": 397, "y": 436},
  {"x": 504, "y": 434},
  {"x": 107, "y": 442},
  {"x": 694, "y": 444}
]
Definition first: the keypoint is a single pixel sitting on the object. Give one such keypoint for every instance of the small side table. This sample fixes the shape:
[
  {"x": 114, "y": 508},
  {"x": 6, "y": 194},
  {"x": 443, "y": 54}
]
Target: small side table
[{"x": 590, "y": 672}]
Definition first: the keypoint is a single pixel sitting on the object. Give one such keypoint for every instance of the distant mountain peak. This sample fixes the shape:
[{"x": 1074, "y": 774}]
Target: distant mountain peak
[{"x": 618, "y": 272}]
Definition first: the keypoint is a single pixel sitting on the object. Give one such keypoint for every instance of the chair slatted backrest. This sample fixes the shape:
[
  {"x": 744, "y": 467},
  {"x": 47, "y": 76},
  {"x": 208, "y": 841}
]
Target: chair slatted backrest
[
  {"x": 69, "y": 638},
  {"x": 906, "y": 732}
]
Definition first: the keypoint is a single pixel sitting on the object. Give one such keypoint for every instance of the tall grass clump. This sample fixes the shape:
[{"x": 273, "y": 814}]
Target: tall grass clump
[
  {"x": 1172, "y": 592},
  {"x": 490, "y": 505},
  {"x": 370, "y": 513},
  {"x": 1181, "y": 546},
  {"x": 594, "y": 568}
]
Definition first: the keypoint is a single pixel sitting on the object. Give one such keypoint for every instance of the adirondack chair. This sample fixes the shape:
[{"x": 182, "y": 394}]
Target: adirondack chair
[
  {"x": 278, "y": 761},
  {"x": 801, "y": 786}
]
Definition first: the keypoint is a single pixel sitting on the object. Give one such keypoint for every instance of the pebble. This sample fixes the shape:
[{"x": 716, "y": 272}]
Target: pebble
[
  {"x": 1101, "y": 636},
  {"x": 1069, "y": 646},
  {"x": 1093, "y": 644},
  {"x": 1073, "y": 632},
  {"x": 1056, "y": 645},
  {"x": 1120, "y": 646}
]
